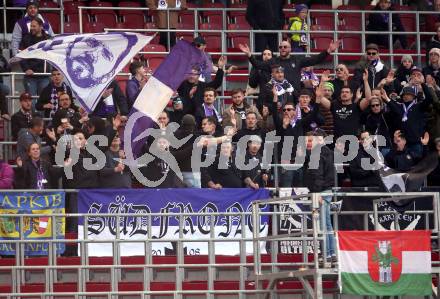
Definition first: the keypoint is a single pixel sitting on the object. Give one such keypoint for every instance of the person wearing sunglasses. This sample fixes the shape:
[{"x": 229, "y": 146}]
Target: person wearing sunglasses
[
  {"x": 376, "y": 68},
  {"x": 380, "y": 122},
  {"x": 342, "y": 77},
  {"x": 379, "y": 21},
  {"x": 292, "y": 64}
]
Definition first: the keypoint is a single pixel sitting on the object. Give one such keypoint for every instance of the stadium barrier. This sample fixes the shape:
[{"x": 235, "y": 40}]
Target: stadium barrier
[{"x": 270, "y": 270}]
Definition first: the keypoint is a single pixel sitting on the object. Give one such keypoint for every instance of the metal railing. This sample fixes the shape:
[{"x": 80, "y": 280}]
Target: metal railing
[
  {"x": 316, "y": 233},
  {"x": 270, "y": 269}
]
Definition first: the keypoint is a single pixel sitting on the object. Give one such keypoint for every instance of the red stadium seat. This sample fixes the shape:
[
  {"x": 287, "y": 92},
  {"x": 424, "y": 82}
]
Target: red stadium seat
[
  {"x": 99, "y": 4},
  {"x": 89, "y": 27},
  {"x": 186, "y": 17},
  {"x": 350, "y": 43},
  {"x": 154, "y": 48},
  {"x": 349, "y": 7},
  {"x": 71, "y": 27},
  {"x": 108, "y": 20},
  {"x": 54, "y": 20},
  {"x": 325, "y": 20},
  {"x": 48, "y": 4},
  {"x": 239, "y": 27},
  {"x": 398, "y": 7},
  {"x": 408, "y": 22},
  {"x": 154, "y": 62},
  {"x": 129, "y": 4},
  {"x": 320, "y": 42},
  {"x": 354, "y": 21},
  {"x": 132, "y": 20},
  {"x": 72, "y": 6},
  {"x": 321, "y": 6},
  {"x": 74, "y": 17}
]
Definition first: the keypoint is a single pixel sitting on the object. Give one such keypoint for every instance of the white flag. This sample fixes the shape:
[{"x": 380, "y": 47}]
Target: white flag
[{"x": 89, "y": 62}]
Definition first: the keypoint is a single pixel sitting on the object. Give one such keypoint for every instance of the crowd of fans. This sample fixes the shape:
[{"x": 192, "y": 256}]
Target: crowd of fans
[{"x": 402, "y": 105}]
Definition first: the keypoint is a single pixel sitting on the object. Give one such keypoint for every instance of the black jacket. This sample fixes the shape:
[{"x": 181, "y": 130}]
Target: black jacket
[
  {"x": 322, "y": 178},
  {"x": 120, "y": 101},
  {"x": 374, "y": 76},
  {"x": 83, "y": 178},
  {"x": 429, "y": 70},
  {"x": 19, "y": 121},
  {"x": 259, "y": 78},
  {"x": 381, "y": 124},
  {"x": 26, "y": 176},
  {"x": 37, "y": 65},
  {"x": 108, "y": 178},
  {"x": 292, "y": 66},
  {"x": 4, "y": 66},
  {"x": 45, "y": 98},
  {"x": 414, "y": 127},
  {"x": 229, "y": 176},
  {"x": 184, "y": 153},
  {"x": 361, "y": 177},
  {"x": 400, "y": 160},
  {"x": 190, "y": 104},
  {"x": 156, "y": 169},
  {"x": 379, "y": 22},
  {"x": 265, "y": 14}
]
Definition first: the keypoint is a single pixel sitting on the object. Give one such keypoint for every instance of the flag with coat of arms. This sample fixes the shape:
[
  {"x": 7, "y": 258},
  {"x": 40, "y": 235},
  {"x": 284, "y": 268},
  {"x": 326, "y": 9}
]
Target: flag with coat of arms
[{"x": 385, "y": 263}]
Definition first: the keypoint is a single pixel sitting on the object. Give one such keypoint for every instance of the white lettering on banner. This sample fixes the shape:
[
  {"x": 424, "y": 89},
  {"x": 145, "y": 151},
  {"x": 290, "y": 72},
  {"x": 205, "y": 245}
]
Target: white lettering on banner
[{"x": 164, "y": 227}]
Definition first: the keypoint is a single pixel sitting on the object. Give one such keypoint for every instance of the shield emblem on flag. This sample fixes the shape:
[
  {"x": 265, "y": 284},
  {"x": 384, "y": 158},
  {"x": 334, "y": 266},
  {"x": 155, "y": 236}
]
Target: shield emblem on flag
[
  {"x": 41, "y": 225},
  {"x": 385, "y": 262}
]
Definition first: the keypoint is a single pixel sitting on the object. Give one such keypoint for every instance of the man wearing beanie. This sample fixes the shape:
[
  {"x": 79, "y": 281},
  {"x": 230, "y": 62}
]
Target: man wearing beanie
[
  {"x": 22, "y": 26},
  {"x": 433, "y": 67}
]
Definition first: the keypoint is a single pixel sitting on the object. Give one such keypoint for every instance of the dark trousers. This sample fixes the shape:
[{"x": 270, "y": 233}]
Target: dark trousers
[
  {"x": 266, "y": 41},
  {"x": 164, "y": 39}
]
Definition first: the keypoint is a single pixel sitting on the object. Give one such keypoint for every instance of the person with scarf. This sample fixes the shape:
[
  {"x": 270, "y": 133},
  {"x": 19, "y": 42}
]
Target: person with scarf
[
  {"x": 376, "y": 69},
  {"x": 299, "y": 23},
  {"x": 113, "y": 102},
  {"x": 379, "y": 21},
  {"x": 34, "y": 84},
  {"x": 402, "y": 74},
  {"x": 433, "y": 67},
  {"x": 223, "y": 173},
  {"x": 308, "y": 78},
  {"x": 341, "y": 79},
  {"x": 35, "y": 172},
  {"x": 22, "y": 27},
  {"x": 306, "y": 108},
  {"x": 285, "y": 91},
  {"x": 236, "y": 114},
  {"x": 49, "y": 96},
  {"x": 380, "y": 122},
  {"x": 416, "y": 100},
  {"x": 207, "y": 109}
]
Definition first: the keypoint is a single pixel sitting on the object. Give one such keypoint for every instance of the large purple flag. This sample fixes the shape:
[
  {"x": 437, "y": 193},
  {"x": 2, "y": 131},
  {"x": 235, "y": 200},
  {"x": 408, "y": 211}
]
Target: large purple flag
[{"x": 156, "y": 93}]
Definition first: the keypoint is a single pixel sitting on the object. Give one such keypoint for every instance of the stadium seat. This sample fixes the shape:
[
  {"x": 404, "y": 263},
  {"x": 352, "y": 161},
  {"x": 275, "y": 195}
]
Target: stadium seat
[
  {"x": 71, "y": 7},
  {"x": 47, "y": 4},
  {"x": 238, "y": 27},
  {"x": 154, "y": 48},
  {"x": 100, "y": 4},
  {"x": 91, "y": 27},
  {"x": 320, "y": 42},
  {"x": 132, "y": 20},
  {"x": 108, "y": 20},
  {"x": 408, "y": 22},
  {"x": 129, "y": 4},
  {"x": 352, "y": 21},
  {"x": 398, "y": 7},
  {"x": 154, "y": 62},
  {"x": 54, "y": 19},
  {"x": 350, "y": 43},
  {"x": 71, "y": 27},
  {"x": 324, "y": 20},
  {"x": 321, "y": 6}
]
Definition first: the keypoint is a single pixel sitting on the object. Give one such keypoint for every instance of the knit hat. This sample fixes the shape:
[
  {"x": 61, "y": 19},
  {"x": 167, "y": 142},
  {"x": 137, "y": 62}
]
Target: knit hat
[
  {"x": 188, "y": 120},
  {"x": 32, "y": 2},
  {"x": 435, "y": 50},
  {"x": 300, "y": 7},
  {"x": 330, "y": 86},
  {"x": 407, "y": 57}
]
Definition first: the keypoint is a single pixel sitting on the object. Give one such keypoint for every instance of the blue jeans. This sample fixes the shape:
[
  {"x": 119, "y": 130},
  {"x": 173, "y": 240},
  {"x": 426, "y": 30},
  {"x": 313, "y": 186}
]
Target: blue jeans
[
  {"x": 327, "y": 223},
  {"x": 192, "y": 179}
]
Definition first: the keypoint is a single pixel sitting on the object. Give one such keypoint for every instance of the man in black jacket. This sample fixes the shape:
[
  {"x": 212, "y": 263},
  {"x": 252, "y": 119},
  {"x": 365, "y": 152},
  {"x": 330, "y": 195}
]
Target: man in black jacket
[
  {"x": 113, "y": 101},
  {"x": 292, "y": 64},
  {"x": 34, "y": 84},
  {"x": 191, "y": 91},
  {"x": 265, "y": 15},
  {"x": 22, "y": 118},
  {"x": 48, "y": 100},
  {"x": 319, "y": 176}
]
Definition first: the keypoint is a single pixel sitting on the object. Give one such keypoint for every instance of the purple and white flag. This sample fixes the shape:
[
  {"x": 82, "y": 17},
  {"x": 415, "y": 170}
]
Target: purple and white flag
[
  {"x": 89, "y": 62},
  {"x": 158, "y": 90}
]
